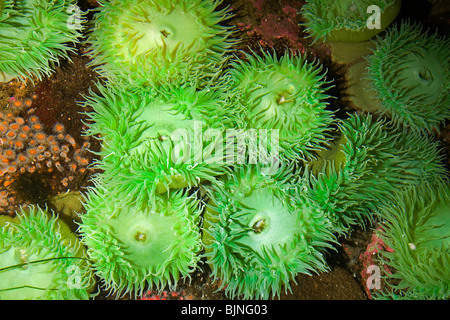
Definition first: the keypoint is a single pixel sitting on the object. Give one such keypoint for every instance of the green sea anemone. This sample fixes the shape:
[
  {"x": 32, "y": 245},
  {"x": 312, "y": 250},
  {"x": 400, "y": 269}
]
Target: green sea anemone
[
  {"x": 348, "y": 20},
  {"x": 40, "y": 258},
  {"x": 260, "y": 231},
  {"x": 410, "y": 75},
  {"x": 134, "y": 245},
  {"x": 154, "y": 141},
  {"x": 369, "y": 159},
  {"x": 287, "y": 94},
  {"x": 35, "y": 35},
  {"x": 152, "y": 41},
  {"x": 417, "y": 229}
]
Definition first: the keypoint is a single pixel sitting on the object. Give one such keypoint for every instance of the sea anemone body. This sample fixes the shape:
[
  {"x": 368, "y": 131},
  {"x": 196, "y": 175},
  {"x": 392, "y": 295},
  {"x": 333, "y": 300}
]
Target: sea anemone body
[
  {"x": 260, "y": 232},
  {"x": 153, "y": 141},
  {"x": 410, "y": 75},
  {"x": 35, "y": 34},
  {"x": 152, "y": 41},
  {"x": 137, "y": 244},
  {"x": 348, "y": 20},
  {"x": 41, "y": 259},
  {"x": 286, "y": 94},
  {"x": 417, "y": 229},
  {"x": 368, "y": 161}
]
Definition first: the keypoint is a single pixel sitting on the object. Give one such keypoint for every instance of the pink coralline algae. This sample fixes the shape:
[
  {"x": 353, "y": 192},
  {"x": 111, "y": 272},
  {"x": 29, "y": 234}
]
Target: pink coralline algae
[
  {"x": 275, "y": 26},
  {"x": 166, "y": 295},
  {"x": 368, "y": 258}
]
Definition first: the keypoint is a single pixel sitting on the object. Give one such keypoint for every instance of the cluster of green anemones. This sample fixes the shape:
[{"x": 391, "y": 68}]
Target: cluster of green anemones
[
  {"x": 410, "y": 75},
  {"x": 40, "y": 258},
  {"x": 135, "y": 246},
  {"x": 348, "y": 20},
  {"x": 287, "y": 94},
  {"x": 153, "y": 41},
  {"x": 369, "y": 159},
  {"x": 35, "y": 34},
  {"x": 165, "y": 133},
  {"x": 157, "y": 119},
  {"x": 417, "y": 230},
  {"x": 261, "y": 230}
]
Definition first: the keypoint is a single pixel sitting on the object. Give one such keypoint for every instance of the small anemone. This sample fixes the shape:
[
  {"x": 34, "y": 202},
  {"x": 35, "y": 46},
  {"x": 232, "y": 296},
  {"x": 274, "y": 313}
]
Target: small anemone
[
  {"x": 154, "y": 141},
  {"x": 348, "y": 20},
  {"x": 285, "y": 93},
  {"x": 40, "y": 258},
  {"x": 410, "y": 75},
  {"x": 260, "y": 231},
  {"x": 416, "y": 227},
  {"x": 153, "y": 41},
  {"x": 35, "y": 34},
  {"x": 135, "y": 245},
  {"x": 369, "y": 159}
]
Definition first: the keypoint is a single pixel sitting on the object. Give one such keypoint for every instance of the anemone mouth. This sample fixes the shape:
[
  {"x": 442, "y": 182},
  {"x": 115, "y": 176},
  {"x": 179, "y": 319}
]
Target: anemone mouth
[
  {"x": 416, "y": 228},
  {"x": 41, "y": 259},
  {"x": 140, "y": 244},
  {"x": 287, "y": 94},
  {"x": 347, "y": 20},
  {"x": 35, "y": 35},
  {"x": 151, "y": 42},
  {"x": 270, "y": 223},
  {"x": 149, "y": 31},
  {"x": 260, "y": 230},
  {"x": 409, "y": 75}
]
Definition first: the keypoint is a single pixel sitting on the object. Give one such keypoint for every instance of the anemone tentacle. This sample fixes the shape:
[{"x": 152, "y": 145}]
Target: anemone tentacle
[
  {"x": 35, "y": 35},
  {"x": 348, "y": 20},
  {"x": 153, "y": 141},
  {"x": 40, "y": 258},
  {"x": 371, "y": 159}
]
